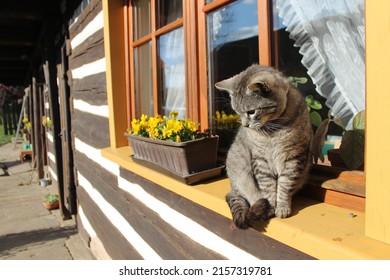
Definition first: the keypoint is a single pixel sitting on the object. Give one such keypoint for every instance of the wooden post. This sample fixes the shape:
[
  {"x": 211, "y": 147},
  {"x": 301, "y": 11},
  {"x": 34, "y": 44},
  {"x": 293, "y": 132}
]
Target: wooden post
[
  {"x": 5, "y": 118},
  {"x": 50, "y": 71},
  {"x": 37, "y": 127}
]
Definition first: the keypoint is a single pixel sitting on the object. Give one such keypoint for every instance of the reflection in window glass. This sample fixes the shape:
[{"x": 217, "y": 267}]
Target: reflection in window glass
[
  {"x": 171, "y": 72},
  {"x": 143, "y": 80},
  {"x": 169, "y": 11},
  {"x": 232, "y": 33},
  {"x": 141, "y": 18}
]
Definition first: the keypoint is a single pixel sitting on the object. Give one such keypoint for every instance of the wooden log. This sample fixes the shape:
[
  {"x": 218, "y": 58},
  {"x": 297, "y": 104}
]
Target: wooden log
[
  {"x": 91, "y": 129},
  {"x": 90, "y": 50},
  {"x": 86, "y": 16},
  {"x": 114, "y": 243},
  {"x": 91, "y": 89}
]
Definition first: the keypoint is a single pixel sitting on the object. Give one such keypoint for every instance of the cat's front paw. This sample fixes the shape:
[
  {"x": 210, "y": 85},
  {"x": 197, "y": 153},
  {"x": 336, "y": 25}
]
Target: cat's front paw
[{"x": 283, "y": 212}]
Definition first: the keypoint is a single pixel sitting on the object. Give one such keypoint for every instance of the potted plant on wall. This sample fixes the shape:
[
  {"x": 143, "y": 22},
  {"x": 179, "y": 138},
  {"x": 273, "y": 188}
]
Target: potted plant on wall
[
  {"x": 166, "y": 143},
  {"x": 50, "y": 201}
]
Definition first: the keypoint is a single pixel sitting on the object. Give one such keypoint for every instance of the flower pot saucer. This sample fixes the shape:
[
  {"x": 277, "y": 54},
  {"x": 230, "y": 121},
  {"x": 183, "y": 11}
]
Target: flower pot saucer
[{"x": 186, "y": 179}]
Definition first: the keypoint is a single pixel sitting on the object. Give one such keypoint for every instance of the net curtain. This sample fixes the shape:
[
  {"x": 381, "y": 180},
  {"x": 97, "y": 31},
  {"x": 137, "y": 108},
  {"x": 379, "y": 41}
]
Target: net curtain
[{"x": 330, "y": 37}]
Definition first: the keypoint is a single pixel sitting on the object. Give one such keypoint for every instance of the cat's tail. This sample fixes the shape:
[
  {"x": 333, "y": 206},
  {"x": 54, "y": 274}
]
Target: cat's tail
[{"x": 243, "y": 214}]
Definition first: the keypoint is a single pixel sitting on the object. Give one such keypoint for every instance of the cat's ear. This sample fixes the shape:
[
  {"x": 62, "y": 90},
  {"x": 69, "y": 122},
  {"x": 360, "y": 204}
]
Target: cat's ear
[
  {"x": 226, "y": 85},
  {"x": 260, "y": 88}
]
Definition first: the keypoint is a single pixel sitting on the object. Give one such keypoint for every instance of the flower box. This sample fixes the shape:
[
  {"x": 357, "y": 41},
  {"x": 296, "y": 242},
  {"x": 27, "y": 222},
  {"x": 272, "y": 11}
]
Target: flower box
[{"x": 180, "y": 159}]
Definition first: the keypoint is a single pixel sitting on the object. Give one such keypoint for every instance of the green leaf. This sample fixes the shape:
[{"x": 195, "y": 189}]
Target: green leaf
[
  {"x": 297, "y": 80},
  {"x": 352, "y": 148},
  {"x": 319, "y": 140},
  {"x": 301, "y": 80},
  {"x": 315, "y": 118},
  {"x": 339, "y": 123},
  {"x": 315, "y": 105},
  {"x": 309, "y": 99},
  {"x": 359, "y": 120}
]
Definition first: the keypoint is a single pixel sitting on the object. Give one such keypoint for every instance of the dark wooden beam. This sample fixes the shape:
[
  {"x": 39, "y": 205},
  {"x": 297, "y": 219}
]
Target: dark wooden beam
[
  {"x": 50, "y": 71},
  {"x": 37, "y": 127}
]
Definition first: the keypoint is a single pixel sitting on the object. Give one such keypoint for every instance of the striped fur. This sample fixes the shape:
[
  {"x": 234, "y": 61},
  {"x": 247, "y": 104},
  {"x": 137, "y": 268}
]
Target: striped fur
[{"x": 270, "y": 157}]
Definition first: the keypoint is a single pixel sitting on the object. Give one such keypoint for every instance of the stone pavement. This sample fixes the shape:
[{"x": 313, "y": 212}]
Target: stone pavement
[{"x": 28, "y": 231}]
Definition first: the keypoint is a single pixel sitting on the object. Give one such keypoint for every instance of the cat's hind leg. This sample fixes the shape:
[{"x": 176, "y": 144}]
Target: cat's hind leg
[
  {"x": 239, "y": 208},
  {"x": 260, "y": 210},
  {"x": 243, "y": 214}
]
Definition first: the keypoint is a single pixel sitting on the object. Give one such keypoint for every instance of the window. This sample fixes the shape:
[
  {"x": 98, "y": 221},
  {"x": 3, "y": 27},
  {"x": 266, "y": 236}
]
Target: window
[
  {"x": 157, "y": 57},
  {"x": 232, "y": 46},
  {"x": 179, "y": 49}
]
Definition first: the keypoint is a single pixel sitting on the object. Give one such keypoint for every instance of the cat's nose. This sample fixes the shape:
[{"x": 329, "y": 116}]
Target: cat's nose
[{"x": 245, "y": 123}]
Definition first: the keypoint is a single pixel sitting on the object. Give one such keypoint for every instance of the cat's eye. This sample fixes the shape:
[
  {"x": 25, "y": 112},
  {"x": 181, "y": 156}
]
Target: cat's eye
[{"x": 251, "y": 112}]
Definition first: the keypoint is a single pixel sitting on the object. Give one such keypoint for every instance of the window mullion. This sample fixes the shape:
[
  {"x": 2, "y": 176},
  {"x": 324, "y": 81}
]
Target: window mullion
[
  {"x": 191, "y": 59},
  {"x": 202, "y": 66},
  {"x": 265, "y": 17},
  {"x": 156, "y": 103}
]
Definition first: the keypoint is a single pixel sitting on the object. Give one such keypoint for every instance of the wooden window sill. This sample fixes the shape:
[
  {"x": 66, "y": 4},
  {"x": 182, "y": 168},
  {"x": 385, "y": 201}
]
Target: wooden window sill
[
  {"x": 319, "y": 229},
  {"x": 336, "y": 186}
]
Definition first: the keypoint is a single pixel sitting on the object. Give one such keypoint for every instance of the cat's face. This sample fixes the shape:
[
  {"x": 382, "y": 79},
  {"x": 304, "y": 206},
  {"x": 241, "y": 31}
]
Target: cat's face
[{"x": 258, "y": 95}]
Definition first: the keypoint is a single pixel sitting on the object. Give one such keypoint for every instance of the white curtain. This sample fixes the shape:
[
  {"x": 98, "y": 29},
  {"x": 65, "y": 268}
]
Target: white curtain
[
  {"x": 330, "y": 35},
  {"x": 171, "y": 47}
]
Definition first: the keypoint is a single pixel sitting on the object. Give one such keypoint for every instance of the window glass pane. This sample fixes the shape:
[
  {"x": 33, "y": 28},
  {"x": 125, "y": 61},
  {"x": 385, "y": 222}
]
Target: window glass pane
[
  {"x": 141, "y": 18},
  {"x": 171, "y": 72},
  {"x": 232, "y": 47},
  {"x": 169, "y": 11},
  {"x": 324, "y": 43},
  {"x": 143, "y": 80}
]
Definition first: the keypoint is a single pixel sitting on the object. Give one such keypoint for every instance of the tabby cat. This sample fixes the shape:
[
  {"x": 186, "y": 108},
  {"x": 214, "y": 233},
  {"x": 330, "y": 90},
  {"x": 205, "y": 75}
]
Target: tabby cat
[{"x": 270, "y": 157}]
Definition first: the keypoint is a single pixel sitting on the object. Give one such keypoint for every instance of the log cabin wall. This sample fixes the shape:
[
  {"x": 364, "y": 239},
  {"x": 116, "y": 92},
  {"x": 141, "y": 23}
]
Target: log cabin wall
[
  {"x": 89, "y": 112},
  {"x": 120, "y": 214}
]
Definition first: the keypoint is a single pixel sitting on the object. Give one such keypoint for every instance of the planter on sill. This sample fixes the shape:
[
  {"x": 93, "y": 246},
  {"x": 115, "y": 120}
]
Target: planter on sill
[
  {"x": 226, "y": 139},
  {"x": 182, "y": 160},
  {"x": 336, "y": 160}
]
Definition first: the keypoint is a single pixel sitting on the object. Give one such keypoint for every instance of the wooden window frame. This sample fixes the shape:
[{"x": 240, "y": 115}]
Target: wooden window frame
[
  {"x": 195, "y": 49},
  {"x": 129, "y": 62},
  {"x": 264, "y": 21}
]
